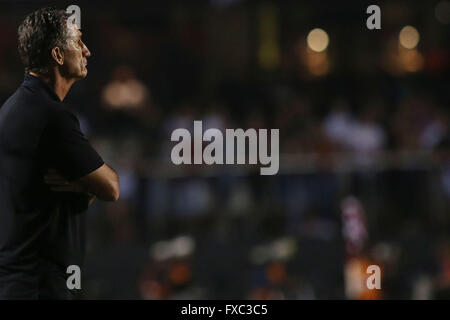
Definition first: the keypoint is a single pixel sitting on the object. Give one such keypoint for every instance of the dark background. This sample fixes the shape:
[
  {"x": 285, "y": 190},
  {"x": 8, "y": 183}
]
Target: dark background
[{"x": 364, "y": 146}]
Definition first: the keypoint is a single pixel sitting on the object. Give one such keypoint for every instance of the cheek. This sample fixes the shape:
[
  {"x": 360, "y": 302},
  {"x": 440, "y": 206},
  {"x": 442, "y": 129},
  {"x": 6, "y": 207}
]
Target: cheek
[
  {"x": 76, "y": 60},
  {"x": 73, "y": 64}
]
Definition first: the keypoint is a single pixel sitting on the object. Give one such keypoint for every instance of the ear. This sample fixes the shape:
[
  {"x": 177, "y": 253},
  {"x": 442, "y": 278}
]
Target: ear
[{"x": 58, "y": 55}]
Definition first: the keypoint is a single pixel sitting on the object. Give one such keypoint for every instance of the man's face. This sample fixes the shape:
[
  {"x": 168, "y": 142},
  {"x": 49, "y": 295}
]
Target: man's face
[{"x": 75, "y": 55}]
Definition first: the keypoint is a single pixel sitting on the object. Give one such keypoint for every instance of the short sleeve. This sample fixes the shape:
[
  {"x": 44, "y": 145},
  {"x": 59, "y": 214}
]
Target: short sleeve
[{"x": 71, "y": 151}]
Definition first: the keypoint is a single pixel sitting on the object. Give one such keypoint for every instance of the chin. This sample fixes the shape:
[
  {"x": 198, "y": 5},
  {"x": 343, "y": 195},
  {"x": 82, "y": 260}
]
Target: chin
[{"x": 82, "y": 74}]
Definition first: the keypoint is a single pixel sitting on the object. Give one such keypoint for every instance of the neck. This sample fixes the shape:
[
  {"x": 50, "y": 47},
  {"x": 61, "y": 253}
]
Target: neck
[{"x": 58, "y": 83}]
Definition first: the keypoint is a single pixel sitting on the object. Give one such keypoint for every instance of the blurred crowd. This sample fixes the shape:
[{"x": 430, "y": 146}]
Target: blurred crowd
[{"x": 365, "y": 157}]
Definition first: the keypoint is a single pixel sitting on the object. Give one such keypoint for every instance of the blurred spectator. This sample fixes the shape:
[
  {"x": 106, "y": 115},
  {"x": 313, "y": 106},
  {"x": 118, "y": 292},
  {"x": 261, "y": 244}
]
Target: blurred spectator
[
  {"x": 124, "y": 91},
  {"x": 160, "y": 68}
]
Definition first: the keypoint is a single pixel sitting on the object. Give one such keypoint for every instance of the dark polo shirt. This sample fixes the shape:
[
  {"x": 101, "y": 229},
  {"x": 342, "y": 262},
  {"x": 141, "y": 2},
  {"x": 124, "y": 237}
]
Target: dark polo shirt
[{"x": 41, "y": 231}]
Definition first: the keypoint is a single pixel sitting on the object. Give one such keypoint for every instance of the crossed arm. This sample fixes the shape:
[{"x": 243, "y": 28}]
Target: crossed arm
[{"x": 102, "y": 183}]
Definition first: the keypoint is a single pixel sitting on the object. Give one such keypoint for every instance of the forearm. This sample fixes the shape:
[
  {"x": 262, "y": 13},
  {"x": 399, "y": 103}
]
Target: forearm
[{"x": 103, "y": 182}]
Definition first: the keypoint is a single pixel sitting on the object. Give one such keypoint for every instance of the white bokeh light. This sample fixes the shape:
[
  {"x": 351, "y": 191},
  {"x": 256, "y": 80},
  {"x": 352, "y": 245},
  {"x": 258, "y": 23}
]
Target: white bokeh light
[
  {"x": 317, "y": 40},
  {"x": 409, "y": 37}
]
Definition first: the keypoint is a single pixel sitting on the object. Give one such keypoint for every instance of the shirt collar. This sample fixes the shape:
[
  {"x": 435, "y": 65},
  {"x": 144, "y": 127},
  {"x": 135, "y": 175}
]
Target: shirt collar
[{"x": 35, "y": 82}]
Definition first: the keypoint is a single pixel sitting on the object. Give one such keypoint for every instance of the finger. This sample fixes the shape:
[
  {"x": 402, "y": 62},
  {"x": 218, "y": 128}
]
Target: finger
[
  {"x": 56, "y": 181},
  {"x": 54, "y": 176},
  {"x": 64, "y": 189},
  {"x": 56, "y": 184},
  {"x": 60, "y": 188}
]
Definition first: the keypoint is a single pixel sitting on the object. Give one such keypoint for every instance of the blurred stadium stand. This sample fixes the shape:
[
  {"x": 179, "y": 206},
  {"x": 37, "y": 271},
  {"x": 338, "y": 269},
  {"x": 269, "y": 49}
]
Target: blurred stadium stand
[{"x": 363, "y": 123}]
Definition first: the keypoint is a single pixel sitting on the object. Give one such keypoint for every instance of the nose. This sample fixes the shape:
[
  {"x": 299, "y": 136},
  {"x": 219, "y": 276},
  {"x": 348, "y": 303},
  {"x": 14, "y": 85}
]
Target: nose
[{"x": 86, "y": 51}]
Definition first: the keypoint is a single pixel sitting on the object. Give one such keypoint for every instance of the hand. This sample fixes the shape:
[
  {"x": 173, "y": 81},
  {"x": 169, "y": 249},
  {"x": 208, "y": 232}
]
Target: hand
[{"x": 59, "y": 183}]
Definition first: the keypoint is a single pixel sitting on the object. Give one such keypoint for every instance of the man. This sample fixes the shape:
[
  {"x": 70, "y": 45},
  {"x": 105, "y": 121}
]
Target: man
[{"x": 49, "y": 173}]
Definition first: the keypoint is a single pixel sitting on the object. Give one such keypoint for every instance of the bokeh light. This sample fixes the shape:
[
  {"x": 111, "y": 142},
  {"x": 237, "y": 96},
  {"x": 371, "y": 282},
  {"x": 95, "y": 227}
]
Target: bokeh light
[
  {"x": 442, "y": 12},
  {"x": 409, "y": 37},
  {"x": 317, "y": 40}
]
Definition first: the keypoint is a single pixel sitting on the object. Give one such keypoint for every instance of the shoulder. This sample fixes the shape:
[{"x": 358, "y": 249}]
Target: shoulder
[
  {"x": 62, "y": 117},
  {"x": 24, "y": 109}
]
